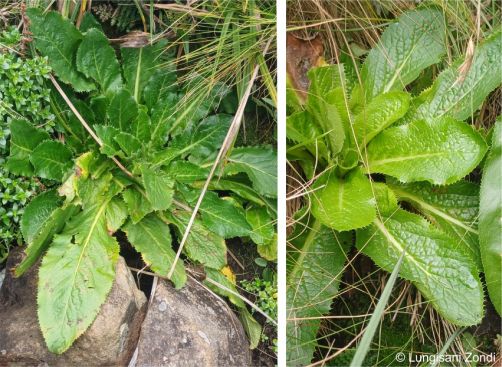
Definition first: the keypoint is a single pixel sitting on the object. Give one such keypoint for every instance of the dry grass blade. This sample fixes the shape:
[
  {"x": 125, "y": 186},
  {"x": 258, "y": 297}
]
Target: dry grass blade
[{"x": 85, "y": 125}]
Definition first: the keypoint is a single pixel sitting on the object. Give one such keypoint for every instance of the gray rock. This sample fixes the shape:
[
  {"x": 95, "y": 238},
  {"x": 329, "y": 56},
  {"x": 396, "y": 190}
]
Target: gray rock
[
  {"x": 110, "y": 340},
  {"x": 191, "y": 327}
]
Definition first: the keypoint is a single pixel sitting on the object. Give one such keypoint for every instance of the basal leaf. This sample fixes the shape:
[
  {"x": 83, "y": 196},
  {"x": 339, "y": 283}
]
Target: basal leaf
[
  {"x": 202, "y": 245},
  {"x": 453, "y": 208},
  {"x": 262, "y": 225},
  {"x": 141, "y": 126},
  {"x": 163, "y": 117},
  {"x": 37, "y": 212},
  {"x": 223, "y": 217},
  {"x": 89, "y": 22},
  {"x": 490, "y": 219},
  {"x": 324, "y": 112},
  {"x": 201, "y": 140},
  {"x": 259, "y": 163},
  {"x": 414, "y": 42},
  {"x": 344, "y": 203},
  {"x": 58, "y": 39},
  {"x": 42, "y": 219},
  {"x": 386, "y": 200},
  {"x": 441, "y": 152},
  {"x": 128, "y": 143},
  {"x": 314, "y": 269},
  {"x": 187, "y": 172},
  {"x": 252, "y": 327},
  {"x": 161, "y": 83},
  {"x": 116, "y": 214},
  {"x": 380, "y": 113},
  {"x": 303, "y": 130},
  {"x": 24, "y": 139},
  {"x": 51, "y": 159},
  {"x": 268, "y": 250},
  {"x": 137, "y": 205},
  {"x": 460, "y": 96},
  {"x": 152, "y": 237},
  {"x": 96, "y": 60},
  {"x": 220, "y": 278},
  {"x": 444, "y": 272},
  {"x": 77, "y": 271},
  {"x": 139, "y": 65},
  {"x": 122, "y": 110},
  {"x": 158, "y": 187},
  {"x": 107, "y": 135}
]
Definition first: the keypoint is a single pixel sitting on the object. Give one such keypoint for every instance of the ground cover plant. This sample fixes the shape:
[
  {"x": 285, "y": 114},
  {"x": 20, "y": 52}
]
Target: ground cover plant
[
  {"x": 123, "y": 157},
  {"x": 22, "y": 94},
  {"x": 388, "y": 172}
]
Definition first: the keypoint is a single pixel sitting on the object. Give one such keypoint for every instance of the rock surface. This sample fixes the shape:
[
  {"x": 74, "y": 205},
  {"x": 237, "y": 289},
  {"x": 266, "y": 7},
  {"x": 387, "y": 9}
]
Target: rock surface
[
  {"x": 191, "y": 327},
  {"x": 110, "y": 340}
]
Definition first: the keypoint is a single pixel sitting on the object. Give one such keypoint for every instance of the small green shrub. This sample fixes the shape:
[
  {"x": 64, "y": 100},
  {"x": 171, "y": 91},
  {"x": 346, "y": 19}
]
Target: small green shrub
[
  {"x": 265, "y": 292},
  {"x": 23, "y": 93}
]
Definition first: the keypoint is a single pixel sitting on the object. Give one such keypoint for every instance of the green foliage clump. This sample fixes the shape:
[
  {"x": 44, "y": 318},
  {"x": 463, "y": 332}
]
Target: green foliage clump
[
  {"x": 22, "y": 94},
  {"x": 389, "y": 169},
  {"x": 265, "y": 292},
  {"x": 135, "y": 165}
]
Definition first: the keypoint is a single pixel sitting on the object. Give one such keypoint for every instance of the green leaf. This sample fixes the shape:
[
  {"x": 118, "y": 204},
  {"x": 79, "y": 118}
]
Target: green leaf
[
  {"x": 122, "y": 110},
  {"x": 116, "y": 214},
  {"x": 163, "y": 117},
  {"x": 78, "y": 270},
  {"x": 490, "y": 219},
  {"x": 241, "y": 189},
  {"x": 89, "y": 22},
  {"x": 107, "y": 135},
  {"x": 441, "y": 152},
  {"x": 314, "y": 268},
  {"x": 222, "y": 217},
  {"x": 380, "y": 113},
  {"x": 128, "y": 143},
  {"x": 303, "y": 130},
  {"x": 152, "y": 237},
  {"x": 187, "y": 172},
  {"x": 137, "y": 205},
  {"x": 37, "y": 213},
  {"x": 452, "y": 96},
  {"x": 201, "y": 245},
  {"x": 344, "y": 203},
  {"x": 58, "y": 39},
  {"x": 268, "y": 250},
  {"x": 158, "y": 188},
  {"x": 24, "y": 139},
  {"x": 200, "y": 140},
  {"x": 262, "y": 225},
  {"x": 138, "y": 65},
  {"x": 141, "y": 126},
  {"x": 414, "y": 42},
  {"x": 96, "y": 60},
  {"x": 386, "y": 200},
  {"x": 259, "y": 163},
  {"x": 442, "y": 271},
  {"x": 217, "y": 276},
  {"x": 42, "y": 218},
  {"x": 161, "y": 83},
  {"x": 453, "y": 208},
  {"x": 325, "y": 113},
  {"x": 51, "y": 160},
  {"x": 252, "y": 328}
]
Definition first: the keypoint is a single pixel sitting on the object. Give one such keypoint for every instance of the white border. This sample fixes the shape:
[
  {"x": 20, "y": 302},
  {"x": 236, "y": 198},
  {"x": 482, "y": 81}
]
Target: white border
[{"x": 281, "y": 180}]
